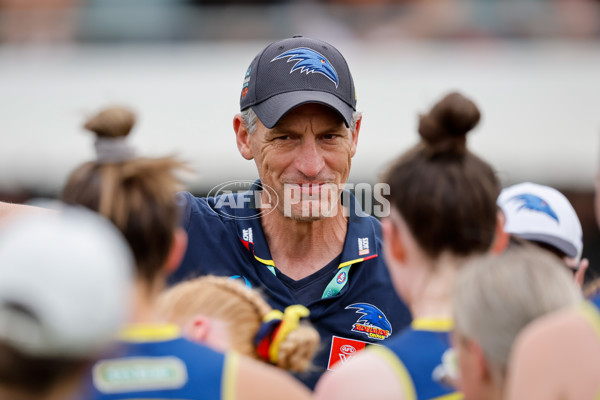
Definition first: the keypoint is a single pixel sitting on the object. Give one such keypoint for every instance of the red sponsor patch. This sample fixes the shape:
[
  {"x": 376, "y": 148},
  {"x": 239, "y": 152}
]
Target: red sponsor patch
[{"x": 342, "y": 351}]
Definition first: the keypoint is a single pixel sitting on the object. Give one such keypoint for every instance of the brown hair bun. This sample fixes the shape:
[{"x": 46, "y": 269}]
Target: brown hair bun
[
  {"x": 445, "y": 127},
  {"x": 115, "y": 121}
]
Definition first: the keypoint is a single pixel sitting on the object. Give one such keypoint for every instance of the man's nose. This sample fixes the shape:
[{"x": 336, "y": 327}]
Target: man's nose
[{"x": 309, "y": 159}]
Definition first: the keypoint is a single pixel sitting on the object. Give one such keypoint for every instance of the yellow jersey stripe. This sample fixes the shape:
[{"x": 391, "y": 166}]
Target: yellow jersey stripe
[
  {"x": 266, "y": 262},
  {"x": 450, "y": 396},
  {"x": 433, "y": 324},
  {"x": 405, "y": 379},
  {"x": 591, "y": 314},
  {"x": 342, "y": 265},
  {"x": 149, "y": 333},
  {"x": 229, "y": 381}
]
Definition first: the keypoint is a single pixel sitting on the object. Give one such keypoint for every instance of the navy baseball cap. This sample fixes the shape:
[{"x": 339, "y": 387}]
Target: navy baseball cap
[{"x": 296, "y": 71}]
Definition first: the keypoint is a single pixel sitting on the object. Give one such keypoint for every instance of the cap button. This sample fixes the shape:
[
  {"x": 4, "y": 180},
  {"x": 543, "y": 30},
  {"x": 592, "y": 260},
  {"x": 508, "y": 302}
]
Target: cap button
[{"x": 297, "y": 36}]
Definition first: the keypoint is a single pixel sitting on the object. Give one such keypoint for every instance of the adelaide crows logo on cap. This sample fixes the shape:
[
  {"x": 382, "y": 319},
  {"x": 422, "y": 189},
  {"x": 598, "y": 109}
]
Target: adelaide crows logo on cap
[
  {"x": 309, "y": 61},
  {"x": 373, "y": 322},
  {"x": 535, "y": 203}
]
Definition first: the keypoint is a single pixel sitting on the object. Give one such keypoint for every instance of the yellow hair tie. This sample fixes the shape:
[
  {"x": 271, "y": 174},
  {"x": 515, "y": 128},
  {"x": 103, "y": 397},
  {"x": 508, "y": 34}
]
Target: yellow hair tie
[
  {"x": 273, "y": 314},
  {"x": 290, "y": 319}
]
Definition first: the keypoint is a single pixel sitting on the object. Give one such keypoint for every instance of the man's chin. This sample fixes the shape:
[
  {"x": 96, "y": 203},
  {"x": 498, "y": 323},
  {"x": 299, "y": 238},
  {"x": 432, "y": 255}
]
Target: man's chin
[
  {"x": 311, "y": 212},
  {"x": 303, "y": 218}
]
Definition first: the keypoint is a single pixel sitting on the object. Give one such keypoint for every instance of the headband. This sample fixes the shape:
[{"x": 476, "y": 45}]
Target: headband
[{"x": 113, "y": 150}]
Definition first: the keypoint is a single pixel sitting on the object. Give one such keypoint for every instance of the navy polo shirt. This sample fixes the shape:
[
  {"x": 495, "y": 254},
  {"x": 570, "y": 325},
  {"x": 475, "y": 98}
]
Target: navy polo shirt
[{"x": 226, "y": 239}]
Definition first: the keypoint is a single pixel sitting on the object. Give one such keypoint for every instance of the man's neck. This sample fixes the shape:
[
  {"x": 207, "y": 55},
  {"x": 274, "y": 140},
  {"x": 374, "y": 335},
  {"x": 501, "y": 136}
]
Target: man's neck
[{"x": 301, "y": 248}]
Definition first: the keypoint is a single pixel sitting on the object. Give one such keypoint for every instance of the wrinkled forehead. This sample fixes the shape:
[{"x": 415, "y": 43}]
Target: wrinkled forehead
[{"x": 318, "y": 115}]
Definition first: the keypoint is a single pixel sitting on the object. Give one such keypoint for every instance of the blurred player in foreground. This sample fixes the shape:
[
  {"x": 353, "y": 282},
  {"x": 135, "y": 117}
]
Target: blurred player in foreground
[
  {"x": 558, "y": 356},
  {"x": 543, "y": 216},
  {"x": 65, "y": 282},
  {"x": 225, "y": 314},
  {"x": 444, "y": 213},
  {"x": 153, "y": 361},
  {"x": 493, "y": 300}
]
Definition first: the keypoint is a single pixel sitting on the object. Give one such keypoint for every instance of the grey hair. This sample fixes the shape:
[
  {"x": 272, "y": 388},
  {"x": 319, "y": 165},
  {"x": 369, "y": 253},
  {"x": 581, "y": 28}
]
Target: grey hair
[
  {"x": 250, "y": 119},
  {"x": 495, "y": 297}
]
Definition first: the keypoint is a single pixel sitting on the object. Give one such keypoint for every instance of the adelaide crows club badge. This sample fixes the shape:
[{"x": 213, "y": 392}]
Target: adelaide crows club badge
[{"x": 372, "y": 323}]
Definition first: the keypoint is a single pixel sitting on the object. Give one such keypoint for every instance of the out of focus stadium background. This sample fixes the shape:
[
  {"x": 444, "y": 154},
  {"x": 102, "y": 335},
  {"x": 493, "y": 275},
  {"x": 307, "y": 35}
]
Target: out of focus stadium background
[{"x": 533, "y": 66}]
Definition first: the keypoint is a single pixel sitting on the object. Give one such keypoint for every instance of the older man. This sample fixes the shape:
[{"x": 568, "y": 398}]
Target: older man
[{"x": 295, "y": 233}]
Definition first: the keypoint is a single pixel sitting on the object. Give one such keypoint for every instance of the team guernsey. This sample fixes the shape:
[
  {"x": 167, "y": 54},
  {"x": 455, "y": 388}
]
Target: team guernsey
[
  {"x": 423, "y": 360},
  {"x": 155, "y": 362},
  {"x": 351, "y": 300},
  {"x": 591, "y": 312}
]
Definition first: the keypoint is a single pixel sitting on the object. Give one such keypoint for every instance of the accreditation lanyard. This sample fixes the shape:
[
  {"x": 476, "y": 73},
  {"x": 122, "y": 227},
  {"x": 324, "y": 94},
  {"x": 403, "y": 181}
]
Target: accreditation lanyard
[
  {"x": 337, "y": 283},
  {"x": 341, "y": 278},
  {"x": 334, "y": 286}
]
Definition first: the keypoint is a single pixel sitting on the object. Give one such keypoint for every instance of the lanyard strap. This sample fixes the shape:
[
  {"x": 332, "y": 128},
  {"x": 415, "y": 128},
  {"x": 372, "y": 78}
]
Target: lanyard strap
[
  {"x": 340, "y": 279},
  {"x": 337, "y": 283}
]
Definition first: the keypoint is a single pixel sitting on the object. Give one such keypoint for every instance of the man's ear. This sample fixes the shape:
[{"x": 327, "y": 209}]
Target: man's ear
[
  {"x": 392, "y": 238},
  {"x": 482, "y": 368},
  {"x": 355, "y": 136},
  {"x": 178, "y": 248},
  {"x": 243, "y": 137},
  {"x": 501, "y": 238}
]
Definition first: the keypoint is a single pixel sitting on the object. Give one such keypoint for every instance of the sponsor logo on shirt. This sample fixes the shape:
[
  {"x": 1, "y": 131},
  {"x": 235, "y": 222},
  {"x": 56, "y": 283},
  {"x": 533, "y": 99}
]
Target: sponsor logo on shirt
[
  {"x": 342, "y": 350},
  {"x": 247, "y": 235},
  {"x": 446, "y": 373},
  {"x": 363, "y": 246},
  {"x": 139, "y": 373}
]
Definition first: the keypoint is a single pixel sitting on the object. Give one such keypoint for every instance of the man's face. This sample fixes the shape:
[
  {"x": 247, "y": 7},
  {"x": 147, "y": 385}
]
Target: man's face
[{"x": 305, "y": 159}]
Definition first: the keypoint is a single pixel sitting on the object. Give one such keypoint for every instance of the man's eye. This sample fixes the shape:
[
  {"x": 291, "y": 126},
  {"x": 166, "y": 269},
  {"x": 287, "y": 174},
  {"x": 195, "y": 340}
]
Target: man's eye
[
  {"x": 282, "y": 137},
  {"x": 329, "y": 136}
]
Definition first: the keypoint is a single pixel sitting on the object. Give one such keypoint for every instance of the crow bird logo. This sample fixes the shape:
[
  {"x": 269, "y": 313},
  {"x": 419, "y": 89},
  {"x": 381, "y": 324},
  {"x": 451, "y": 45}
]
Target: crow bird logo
[
  {"x": 371, "y": 316},
  {"x": 535, "y": 203},
  {"x": 309, "y": 61}
]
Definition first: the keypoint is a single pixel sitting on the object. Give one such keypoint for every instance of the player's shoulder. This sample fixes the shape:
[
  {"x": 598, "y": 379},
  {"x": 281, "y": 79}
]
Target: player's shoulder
[
  {"x": 253, "y": 377},
  {"x": 405, "y": 338},
  {"x": 196, "y": 357},
  {"x": 551, "y": 333},
  {"x": 367, "y": 375}
]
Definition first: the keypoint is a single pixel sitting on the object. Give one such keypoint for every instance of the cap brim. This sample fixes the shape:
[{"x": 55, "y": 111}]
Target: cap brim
[
  {"x": 274, "y": 108},
  {"x": 569, "y": 249}
]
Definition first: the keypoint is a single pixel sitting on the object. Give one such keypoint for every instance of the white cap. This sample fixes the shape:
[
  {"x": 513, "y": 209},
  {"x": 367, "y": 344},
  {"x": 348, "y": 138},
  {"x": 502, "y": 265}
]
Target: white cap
[
  {"x": 542, "y": 214},
  {"x": 65, "y": 283}
]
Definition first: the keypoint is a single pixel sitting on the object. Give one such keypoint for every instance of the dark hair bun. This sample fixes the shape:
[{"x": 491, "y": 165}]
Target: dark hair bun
[
  {"x": 113, "y": 121},
  {"x": 445, "y": 127}
]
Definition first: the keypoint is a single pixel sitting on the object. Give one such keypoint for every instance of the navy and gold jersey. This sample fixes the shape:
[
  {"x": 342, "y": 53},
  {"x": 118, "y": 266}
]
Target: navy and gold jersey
[
  {"x": 590, "y": 310},
  {"x": 154, "y": 362},
  {"x": 596, "y": 301},
  {"x": 353, "y": 306},
  {"x": 420, "y": 356}
]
